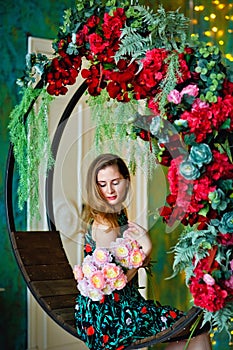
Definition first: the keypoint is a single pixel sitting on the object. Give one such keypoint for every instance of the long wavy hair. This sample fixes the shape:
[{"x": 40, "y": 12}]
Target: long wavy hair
[{"x": 96, "y": 207}]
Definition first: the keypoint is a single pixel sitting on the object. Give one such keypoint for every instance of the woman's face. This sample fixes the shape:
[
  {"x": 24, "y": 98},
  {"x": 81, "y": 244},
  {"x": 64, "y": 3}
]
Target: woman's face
[{"x": 112, "y": 185}]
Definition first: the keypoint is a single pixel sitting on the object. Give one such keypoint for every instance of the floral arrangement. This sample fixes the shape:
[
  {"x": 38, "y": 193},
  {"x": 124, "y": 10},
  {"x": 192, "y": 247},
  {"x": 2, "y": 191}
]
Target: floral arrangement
[
  {"x": 103, "y": 271},
  {"x": 135, "y": 55}
]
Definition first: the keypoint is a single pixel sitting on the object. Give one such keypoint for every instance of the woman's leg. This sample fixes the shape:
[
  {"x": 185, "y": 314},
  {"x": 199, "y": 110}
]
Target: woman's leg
[{"x": 201, "y": 342}]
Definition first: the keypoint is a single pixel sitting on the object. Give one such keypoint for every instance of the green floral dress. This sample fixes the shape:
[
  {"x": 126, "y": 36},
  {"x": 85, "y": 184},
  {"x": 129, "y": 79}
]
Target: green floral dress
[{"x": 122, "y": 317}]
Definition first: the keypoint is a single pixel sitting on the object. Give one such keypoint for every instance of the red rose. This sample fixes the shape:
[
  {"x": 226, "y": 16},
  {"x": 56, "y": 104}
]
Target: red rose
[
  {"x": 93, "y": 21},
  {"x": 225, "y": 239},
  {"x": 97, "y": 44},
  {"x": 112, "y": 25}
]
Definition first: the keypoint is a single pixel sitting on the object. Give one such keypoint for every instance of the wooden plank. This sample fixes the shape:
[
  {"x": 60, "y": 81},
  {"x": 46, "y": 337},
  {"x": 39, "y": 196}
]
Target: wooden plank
[
  {"x": 61, "y": 301},
  {"x": 49, "y": 272},
  {"x": 65, "y": 313},
  {"x": 57, "y": 287},
  {"x": 37, "y": 239},
  {"x": 45, "y": 256}
]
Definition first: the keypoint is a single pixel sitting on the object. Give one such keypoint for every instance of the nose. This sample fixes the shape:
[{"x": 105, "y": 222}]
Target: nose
[{"x": 110, "y": 189}]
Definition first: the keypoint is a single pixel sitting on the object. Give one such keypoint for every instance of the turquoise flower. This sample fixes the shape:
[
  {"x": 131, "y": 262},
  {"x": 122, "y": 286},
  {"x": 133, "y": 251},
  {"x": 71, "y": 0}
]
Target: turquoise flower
[
  {"x": 218, "y": 200},
  {"x": 226, "y": 223},
  {"x": 200, "y": 154},
  {"x": 189, "y": 170},
  {"x": 181, "y": 124}
]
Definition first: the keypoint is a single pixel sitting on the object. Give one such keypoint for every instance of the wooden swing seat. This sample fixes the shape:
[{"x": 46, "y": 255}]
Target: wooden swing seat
[{"x": 48, "y": 274}]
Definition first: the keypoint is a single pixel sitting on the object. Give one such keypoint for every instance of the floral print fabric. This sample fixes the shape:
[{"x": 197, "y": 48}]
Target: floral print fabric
[{"x": 121, "y": 318}]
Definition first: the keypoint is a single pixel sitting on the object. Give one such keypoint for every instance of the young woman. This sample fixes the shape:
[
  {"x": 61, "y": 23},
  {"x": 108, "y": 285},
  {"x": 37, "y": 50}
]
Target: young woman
[{"x": 124, "y": 316}]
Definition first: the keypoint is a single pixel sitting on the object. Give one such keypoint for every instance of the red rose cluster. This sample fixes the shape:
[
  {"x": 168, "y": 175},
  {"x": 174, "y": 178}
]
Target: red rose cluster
[
  {"x": 188, "y": 197},
  {"x": 63, "y": 71},
  {"x": 206, "y": 292},
  {"x": 98, "y": 41}
]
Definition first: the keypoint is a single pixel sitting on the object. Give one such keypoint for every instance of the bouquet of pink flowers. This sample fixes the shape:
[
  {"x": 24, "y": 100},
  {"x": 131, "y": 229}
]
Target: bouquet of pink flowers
[
  {"x": 128, "y": 253},
  {"x": 103, "y": 271}
]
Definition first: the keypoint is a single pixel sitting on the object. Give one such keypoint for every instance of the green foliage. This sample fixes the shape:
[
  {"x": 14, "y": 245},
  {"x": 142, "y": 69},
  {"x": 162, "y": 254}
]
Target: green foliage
[
  {"x": 168, "y": 83},
  {"x": 147, "y": 30},
  {"x": 31, "y": 145},
  {"x": 115, "y": 128},
  {"x": 221, "y": 319},
  {"x": 192, "y": 243}
]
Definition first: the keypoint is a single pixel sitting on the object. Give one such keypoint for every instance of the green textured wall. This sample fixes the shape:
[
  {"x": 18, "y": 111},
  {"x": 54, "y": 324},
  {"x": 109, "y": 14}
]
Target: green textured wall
[{"x": 18, "y": 19}]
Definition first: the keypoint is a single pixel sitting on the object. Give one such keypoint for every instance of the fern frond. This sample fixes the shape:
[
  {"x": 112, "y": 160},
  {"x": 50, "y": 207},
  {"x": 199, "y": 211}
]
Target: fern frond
[{"x": 133, "y": 44}]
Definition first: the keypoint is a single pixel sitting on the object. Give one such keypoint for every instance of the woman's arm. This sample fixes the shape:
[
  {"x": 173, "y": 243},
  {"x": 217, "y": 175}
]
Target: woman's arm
[{"x": 138, "y": 233}]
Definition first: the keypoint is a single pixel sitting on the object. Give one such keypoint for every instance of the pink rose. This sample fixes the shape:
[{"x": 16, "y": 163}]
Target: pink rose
[
  {"x": 191, "y": 90},
  {"x": 199, "y": 104},
  {"x": 174, "y": 96},
  {"x": 229, "y": 283},
  {"x": 111, "y": 271},
  {"x": 97, "y": 280},
  {"x": 101, "y": 256},
  {"x": 120, "y": 282},
  {"x": 78, "y": 273},
  {"x": 208, "y": 279},
  {"x": 136, "y": 258}
]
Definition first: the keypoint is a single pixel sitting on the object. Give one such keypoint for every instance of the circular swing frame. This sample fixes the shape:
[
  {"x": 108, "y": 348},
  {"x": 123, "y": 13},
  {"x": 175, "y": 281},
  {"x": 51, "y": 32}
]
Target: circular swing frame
[{"x": 51, "y": 281}]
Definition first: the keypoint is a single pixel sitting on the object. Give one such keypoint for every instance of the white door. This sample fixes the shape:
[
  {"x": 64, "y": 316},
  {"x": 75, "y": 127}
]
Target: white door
[{"x": 74, "y": 150}]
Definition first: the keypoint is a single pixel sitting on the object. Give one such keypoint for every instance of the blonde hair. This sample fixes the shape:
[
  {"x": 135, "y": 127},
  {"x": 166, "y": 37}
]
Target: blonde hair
[{"x": 97, "y": 208}]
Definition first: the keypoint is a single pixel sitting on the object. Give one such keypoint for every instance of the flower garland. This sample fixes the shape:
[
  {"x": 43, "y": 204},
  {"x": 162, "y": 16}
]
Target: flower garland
[{"x": 133, "y": 55}]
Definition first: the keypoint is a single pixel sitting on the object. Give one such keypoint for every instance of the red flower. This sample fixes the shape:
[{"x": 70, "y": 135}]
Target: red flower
[
  {"x": 112, "y": 25},
  {"x": 88, "y": 248},
  {"x": 105, "y": 338},
  {"x": 90, "y": 331},
  {"x": 211, "y": 298},
  {"x": 173, "y": 314},
  {"x": 120, "y": 347},
  {"x": 220, "y": 167},
  {"x": 81, "y": 36},
  {"x": 225, "y": 239},
  {"x": 97, "y": 44},
  {"x": 93, "y": 21},
  {"x": 116, "y": 297},
  {"x": 144, "y": 310}
]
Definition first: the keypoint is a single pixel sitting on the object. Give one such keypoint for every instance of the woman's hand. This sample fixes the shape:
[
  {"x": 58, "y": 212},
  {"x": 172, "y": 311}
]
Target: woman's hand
[{"x": 138, "y": 233}]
